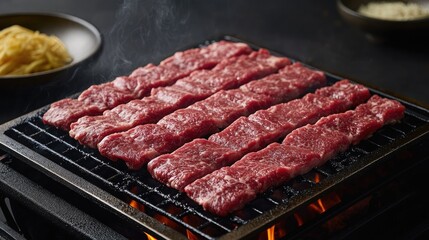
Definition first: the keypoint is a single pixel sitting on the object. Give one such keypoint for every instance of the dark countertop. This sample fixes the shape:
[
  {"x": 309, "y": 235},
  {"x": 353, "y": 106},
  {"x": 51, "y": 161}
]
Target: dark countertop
[{"x": 137, "y": 32}]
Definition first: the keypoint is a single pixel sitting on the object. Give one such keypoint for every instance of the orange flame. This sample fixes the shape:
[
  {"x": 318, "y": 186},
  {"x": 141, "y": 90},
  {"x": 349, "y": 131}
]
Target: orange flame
[
  {"x": 191, "y": 220},
  {"x": 298, "y": 219},
  {"x": 318, "y": 206},
  {"x": 322, "y": 206},
  {"x": 149, "y": 237},
  {"x": 137, "y": 205},
  {"x": 270, "y": 233},
  {"x": 314, "y": 209},
  {"x": 281, "y": 229},
  {"x": 325, "y": 203},
  {"x": 190, "y": 235},
  {"x": 133, "y": 203},
  {"x": 317, "y": 178}
]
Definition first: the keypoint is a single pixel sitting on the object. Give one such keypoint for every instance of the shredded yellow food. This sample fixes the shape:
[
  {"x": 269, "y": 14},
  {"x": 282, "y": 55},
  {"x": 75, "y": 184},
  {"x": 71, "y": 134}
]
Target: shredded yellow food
[{"x": 23, "y": 51}]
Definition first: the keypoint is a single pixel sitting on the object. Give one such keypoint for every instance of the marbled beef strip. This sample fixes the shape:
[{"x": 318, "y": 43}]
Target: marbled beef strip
[
  {"x": 252, "y": 133},
  {"x": 230, "y": 188},
  {"x": 365, "y": 119},
  {"x": 230, "y": 73},
  {"x": 98, "y": 98}
]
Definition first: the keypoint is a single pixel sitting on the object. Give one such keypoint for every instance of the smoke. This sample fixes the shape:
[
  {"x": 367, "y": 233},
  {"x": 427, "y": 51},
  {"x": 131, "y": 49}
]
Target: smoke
[
  {"x": 116, "y": 54},
  {"x": 143, "y": 33}
]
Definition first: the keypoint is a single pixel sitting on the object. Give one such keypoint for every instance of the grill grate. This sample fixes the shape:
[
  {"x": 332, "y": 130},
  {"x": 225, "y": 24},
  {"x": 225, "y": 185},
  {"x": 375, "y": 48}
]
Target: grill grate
[
  {"x": 175, "y": 209},
  {"x": 171, "y": 207}
]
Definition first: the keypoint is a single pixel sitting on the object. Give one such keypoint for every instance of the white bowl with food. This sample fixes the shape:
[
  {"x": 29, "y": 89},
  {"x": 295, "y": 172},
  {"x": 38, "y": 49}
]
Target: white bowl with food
[
  {"x": 37, "y": 47},
  {"x": 387, "y": 19}
]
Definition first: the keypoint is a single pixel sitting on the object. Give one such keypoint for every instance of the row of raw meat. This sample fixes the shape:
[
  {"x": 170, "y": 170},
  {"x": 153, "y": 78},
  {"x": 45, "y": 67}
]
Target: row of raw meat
[
  {"x": 229, "y": 73},
  {"x": 140, "y": 144},
  {"x": 231, "y": 187},
  {"x": 197, "y": 93},
  {"x": 202, "y": 156},
  {"x": 139, "y": 83}
]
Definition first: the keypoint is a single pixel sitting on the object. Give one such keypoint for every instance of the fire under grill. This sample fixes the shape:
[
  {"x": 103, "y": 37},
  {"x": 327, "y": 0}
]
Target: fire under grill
[{"x": 159, "y": 211}]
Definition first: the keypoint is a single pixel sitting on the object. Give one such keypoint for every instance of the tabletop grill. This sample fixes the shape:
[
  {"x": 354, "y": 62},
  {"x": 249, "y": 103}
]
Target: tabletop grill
[{"x": 151, "y": 209}]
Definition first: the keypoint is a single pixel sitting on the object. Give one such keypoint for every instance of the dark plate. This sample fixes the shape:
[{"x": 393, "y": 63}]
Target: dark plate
[
  {"x": 81, "y": 39},
  {"x": 379, "y": 28}
]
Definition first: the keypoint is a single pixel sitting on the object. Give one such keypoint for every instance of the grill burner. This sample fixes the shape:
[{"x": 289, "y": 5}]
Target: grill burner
[{"x": 87, "y": 173}]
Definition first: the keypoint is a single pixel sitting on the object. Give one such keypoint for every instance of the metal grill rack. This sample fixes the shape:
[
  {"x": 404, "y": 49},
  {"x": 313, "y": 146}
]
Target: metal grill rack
[
  {"x": 155, "y": 206},
  {"x": 170, "y": 206}
]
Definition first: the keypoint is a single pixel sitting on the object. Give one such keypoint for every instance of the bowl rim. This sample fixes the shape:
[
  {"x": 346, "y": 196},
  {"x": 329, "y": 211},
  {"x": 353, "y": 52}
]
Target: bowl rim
[
  {"x": 93, "y": 29},
  {"x": 346, "y": 9}
]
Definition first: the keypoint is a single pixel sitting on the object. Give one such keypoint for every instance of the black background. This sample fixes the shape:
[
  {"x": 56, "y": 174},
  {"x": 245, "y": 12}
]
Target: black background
[{"x": 138, "y": 32}]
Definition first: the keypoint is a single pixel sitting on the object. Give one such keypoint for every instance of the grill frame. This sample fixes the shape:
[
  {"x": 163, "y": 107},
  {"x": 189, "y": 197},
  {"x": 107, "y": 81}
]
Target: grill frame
[{"x": 144, "y": 222}]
